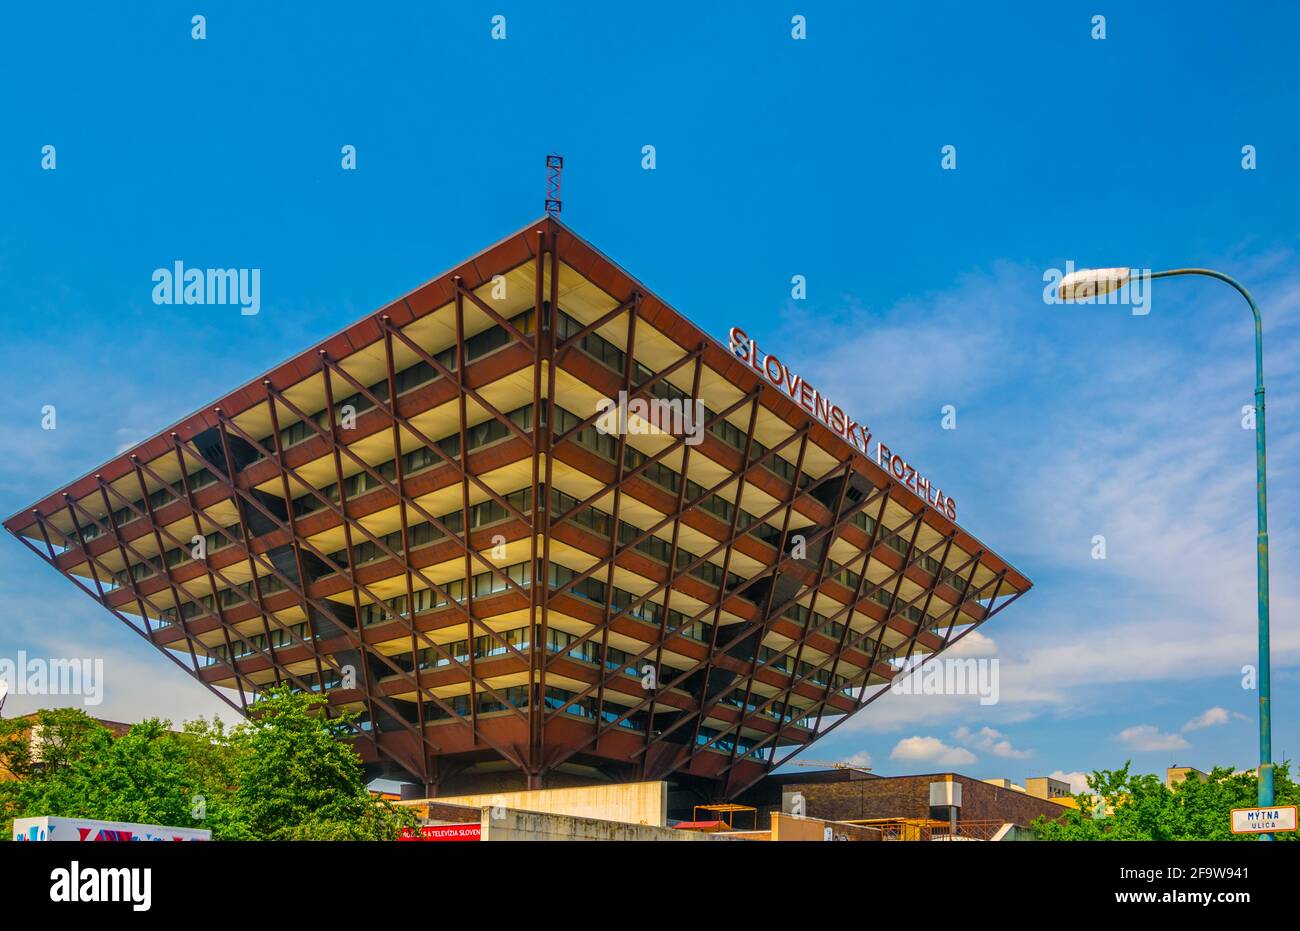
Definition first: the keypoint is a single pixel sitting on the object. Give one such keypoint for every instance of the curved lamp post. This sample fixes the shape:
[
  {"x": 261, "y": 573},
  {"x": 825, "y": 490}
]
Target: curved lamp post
[{"x": 1088, "y": 283}]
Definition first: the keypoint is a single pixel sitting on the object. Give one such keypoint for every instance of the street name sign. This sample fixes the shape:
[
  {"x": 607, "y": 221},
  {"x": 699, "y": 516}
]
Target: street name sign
[{"x": 1264, "y": 820}]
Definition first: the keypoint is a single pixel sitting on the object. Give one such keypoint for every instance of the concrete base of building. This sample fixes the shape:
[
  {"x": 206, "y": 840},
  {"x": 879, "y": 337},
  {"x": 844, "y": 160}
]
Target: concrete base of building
[{"x": 510, "y": 824}]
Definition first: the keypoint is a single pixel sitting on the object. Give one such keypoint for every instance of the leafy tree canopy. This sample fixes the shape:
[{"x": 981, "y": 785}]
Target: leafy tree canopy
[
  {"x": 1138, "y": 806},
  {"x": 283, "y": 774}
]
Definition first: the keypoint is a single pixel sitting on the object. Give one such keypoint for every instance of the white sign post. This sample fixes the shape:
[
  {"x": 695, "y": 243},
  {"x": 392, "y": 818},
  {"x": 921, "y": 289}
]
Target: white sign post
[{"x": 1264, "y": 820}]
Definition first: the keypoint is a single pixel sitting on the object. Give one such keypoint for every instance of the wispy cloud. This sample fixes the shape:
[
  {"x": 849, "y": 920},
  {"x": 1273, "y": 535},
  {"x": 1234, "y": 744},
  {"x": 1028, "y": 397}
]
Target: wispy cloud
[
  {"x": 930, "y": 750},
  {"x": 1148, "y": 737},
  {"x": 975, "y": 644},
  {"x": 1078, "y": 781},
  {"x": 990, "y": 741},
  {"x": 861, "y": 759},
  {"x": 1073, "y": 427},
  {"x": 1210, "y": 717}
]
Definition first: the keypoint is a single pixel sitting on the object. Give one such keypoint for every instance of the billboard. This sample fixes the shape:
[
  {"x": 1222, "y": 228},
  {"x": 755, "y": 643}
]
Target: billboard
[
  {"x": 443, "y": 832},
  {"x": 85, "y": 829}
]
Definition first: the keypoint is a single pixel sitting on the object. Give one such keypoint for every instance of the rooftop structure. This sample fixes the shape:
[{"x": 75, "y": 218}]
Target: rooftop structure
[{"x": 437, "y": 518}]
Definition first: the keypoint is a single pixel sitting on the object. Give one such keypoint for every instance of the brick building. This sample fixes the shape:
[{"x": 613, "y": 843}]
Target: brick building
[{"x": 850, "y": 795}]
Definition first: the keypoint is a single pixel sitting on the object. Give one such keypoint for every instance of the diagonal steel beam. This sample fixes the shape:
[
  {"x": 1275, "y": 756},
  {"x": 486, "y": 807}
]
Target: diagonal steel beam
[
  {"x": 678, "y": 508},
  {"x": 400, "y": 472},
  {"x": 713, "y": 654},
  {"x": 373, "y": 538},
  {"x": 678, "y": 572},
  {"x": 357, "y": 641},
  {"x": 336, "y": 444},
  {"x": 745, "y": 631},
  {"x": 629, "y": 369},
  {"x": 866, "y": 701},
  {"x": 794, "y": 678},
  {"x": 772, "y": 569},
  {"x": 51, "y": 560}
]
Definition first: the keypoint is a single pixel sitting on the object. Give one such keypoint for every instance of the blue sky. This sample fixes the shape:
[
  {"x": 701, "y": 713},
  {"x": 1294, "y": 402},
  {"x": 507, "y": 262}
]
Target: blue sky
[{"x": 775, "y": 157}]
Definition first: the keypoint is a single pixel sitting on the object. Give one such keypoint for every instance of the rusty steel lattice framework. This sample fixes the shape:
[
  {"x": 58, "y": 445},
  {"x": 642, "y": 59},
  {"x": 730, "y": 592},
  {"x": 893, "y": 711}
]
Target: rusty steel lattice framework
[
  {"x": 764, "y": 699},
  {"x": 554, "y": 168}
]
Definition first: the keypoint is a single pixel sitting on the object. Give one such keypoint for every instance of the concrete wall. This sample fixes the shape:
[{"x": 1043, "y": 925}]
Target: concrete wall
[
  {"x": 1046, "y": 787},
  {"x": 631, "y": 802},
  {"x": 788, "y": 827},
  {"x": 513, "y": 825}
]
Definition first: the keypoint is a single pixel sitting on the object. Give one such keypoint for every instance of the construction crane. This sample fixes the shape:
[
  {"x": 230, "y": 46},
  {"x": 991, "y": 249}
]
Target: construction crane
[{"x": 833, "y": 765}]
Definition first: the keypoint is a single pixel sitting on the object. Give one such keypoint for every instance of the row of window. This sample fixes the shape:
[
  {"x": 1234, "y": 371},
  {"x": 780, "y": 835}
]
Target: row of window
[
  {"x": 258, "y": 643},
  {"x": 657, "y": 548},
  {"x": 605, "y": 445},
  {"x": 591, "y": 589},
  {"x": 615, "y": 359},
  {"x": 831, "y": 628},
  {"x": 621, "y": 600},
  {"x": 409, "y": 378},
  {"x": 557, "y": 641},
  {"x": 165, "y": 495},
  {"x": 885, "y": 598},
  {"x": 178, "y": 554},
  {"x": 809, "y": 671},
  {"x": 517, "y": 697},
  {"x": 900, "y": 546},
  {"x": 743, "y": 746},
  {"x": 481, "y": 515},
  {"x": 476, "y": 437},
  {"x": 426, "y": 599},
  {"x": 491, "y": 511},
  {"x": 239, "y": 594}
]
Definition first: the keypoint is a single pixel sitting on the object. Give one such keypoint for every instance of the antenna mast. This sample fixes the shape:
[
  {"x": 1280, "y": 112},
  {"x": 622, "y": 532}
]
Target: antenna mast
[{"x": 554, "y": 165}]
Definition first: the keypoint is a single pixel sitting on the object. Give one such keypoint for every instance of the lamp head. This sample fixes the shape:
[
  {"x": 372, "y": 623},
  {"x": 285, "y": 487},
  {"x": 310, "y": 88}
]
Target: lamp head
[{"x": 1092, "y": 282}]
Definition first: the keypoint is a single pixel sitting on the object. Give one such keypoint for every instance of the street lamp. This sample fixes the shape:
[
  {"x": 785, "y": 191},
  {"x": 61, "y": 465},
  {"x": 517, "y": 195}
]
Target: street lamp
[{"x": 1094, "y": 282}]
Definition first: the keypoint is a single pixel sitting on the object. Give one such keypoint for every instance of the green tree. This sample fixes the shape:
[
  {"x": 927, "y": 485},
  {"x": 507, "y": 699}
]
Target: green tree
[
  {"x": 284, "y": 774},
  {"x": 297, "y": 780},
  {"x": 1123, "y": 805},
  {"x": 66, "y": 734},
  {"x": 39, "y": 754},
  {"x": 70, "y": 765}
]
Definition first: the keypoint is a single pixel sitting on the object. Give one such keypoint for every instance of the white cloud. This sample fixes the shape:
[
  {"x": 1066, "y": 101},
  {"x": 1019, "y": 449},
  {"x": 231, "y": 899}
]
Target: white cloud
[
  {"x": 974, "y": 644},
  {"x": 1128, "y": 429},
  {"x": 861, "y": 759},
  {"x": 1146, "y": 737},
  {"x": 1078, "y": 781},
  {"x": 990, "y": 741},
  {"x": 1208, "y": 718},
  {"x": 955, "y": 344},
  {"x": 931, "y": 749}
]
